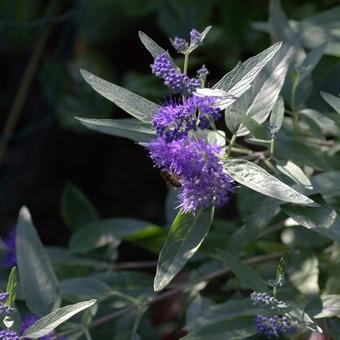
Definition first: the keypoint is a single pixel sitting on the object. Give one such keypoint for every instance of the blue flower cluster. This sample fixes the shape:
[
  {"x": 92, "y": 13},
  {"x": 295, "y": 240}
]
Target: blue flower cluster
[
  {"x": 5, "y": 309},
  {"x": 267, "y": 302},
  {"x": 197, "y": 165},
  {"x": 179, "y": 82},
  {"x": 274, "y": 326},
  {"x": 175, "y": 120},
  {"x": 8, "y": 335}
]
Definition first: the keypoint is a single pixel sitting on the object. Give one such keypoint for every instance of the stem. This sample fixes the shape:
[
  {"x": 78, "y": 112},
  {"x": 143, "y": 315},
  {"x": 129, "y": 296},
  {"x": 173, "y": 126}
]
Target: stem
[
  {"x": 272, "y": 148},
  {"x": 87, "y": 335},
  {"x": 186, "y": 62},
  {"x": 137, "y": 322},
  {"x": 231, "y": 144},
  {"x": 294, "y": 113},
  {"x": 274, "y": 291}
]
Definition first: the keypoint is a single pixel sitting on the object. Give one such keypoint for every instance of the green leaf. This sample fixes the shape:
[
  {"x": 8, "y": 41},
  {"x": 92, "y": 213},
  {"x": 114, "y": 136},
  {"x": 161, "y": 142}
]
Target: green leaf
[
  {"x": 247, "y": 276},
  {"x": 135, "y": 105},
  {"x": 278, "y": 22},
  {"x": 76, "y": 209},
  {"x": 233, "y": 329},
  {"x": 206, "y": 313},
  {"x": 322, "y": 219},
  {"x": 127, "y": 128},
  {"x": 332, "y": 100},
  {"x": 154, "y": 49},
  {"x": 304, "y": 273},
  {"x": 323, "y": 27},
  {"x": 325, "y": 306},
  {"x": 294, "y": 172},
  {"x": 327, "y": 184},
  {"x": 276, "y": 116},
  {"x": 76, "y": 289},
  {"x": 107, "y": 231},
  {"x": 262, "y": 96},
  {"x": 185, "y": 236},
  {"x": 258, "y": 179},
  {"x": 11, "y": 286},
  {"x": 38, "y": 281},
  {"x": 48, "y": 323}
]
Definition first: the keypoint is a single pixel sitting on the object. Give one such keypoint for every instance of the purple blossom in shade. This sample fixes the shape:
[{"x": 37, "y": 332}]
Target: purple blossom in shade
[
  {"x": 175, "y": 120},
  {"x": 7, "y": 310},
  {"x": 202, "y": 73},
  {"x": 10, "y": 258},
  {"x": 197, "y": 164},
  {"x": 179, "y": 82},
  {"x": 3, "y": 296},
  {"x": 179, "y": 44},
  {"x": 274, "y": 326},
  {"x": 8, "y": 335},
  {"x": 267, "y": 302},
  {"x": 195, "y": 38},
  {"x": 28, "y": 321}
]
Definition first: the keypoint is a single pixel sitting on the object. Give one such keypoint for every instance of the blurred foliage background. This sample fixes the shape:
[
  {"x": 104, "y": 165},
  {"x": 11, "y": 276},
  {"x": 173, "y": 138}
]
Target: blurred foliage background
[{"x": 42, "y": 47}]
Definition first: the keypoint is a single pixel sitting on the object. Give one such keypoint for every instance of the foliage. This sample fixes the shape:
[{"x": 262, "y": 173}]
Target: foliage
[{"x": 282, "y": 246}]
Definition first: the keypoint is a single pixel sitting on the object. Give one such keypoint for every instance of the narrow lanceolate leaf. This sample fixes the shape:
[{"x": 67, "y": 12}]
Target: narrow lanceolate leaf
[
  {"x": 294, "y": 172},
  {"x": 247, "y": 276},
  {"x": 48, "y": 323},
  {"x": 76, "y": 209},
  {"x": 238, "y": 81},
  {"x": 276, "y": 116},
  {"x": 130, "y": 128},
  {"x": 135, "y": 105},
  {"x": 323, "y": 220},
  {"x": 11, "y": 286},
  {"x": 332, "y": 100},
  {"x": 258, "y": 179},
  {"x": 38, "y": 281},
  {"x": 185, "y": 236},
  {"x": 154, "y": 49},
  {"x": 259, "y": 100}
]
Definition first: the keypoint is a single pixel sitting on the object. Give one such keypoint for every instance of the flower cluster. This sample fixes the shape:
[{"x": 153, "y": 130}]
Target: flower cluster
[
  {"x": 198, "y": 167},
  {"x": 267, "y": 302},
  {"x": 8, "y": 335},
  {"x": 274, "y": 326},
  {"x": 175, "y": 120},
  {"x": 179, "y": 82},
  {"x": 10, "y": 258},
  {"x": 5, "y": 309}
]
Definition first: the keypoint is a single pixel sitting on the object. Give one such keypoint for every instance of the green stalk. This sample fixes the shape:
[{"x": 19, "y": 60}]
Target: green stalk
[
  {"x": 272, "y": 148},
  {"x": 186, "y": 62},
  {"x": 231, "y": 144},
  {"x": 295, "y": 114}
]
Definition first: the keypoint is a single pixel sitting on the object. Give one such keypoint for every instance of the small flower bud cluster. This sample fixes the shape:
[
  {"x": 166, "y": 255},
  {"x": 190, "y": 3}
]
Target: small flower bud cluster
[
  {"x": 3, "y": 296},
  {"x": 8, "y": 335},
  {"x": 179, "y": 44},
  {"x": 195, "y": 38},
  {"x": 175, "y": 120},
  {"x": 179, "y": 82},
  {"x": 274, "y": 326},
  {"x": 202, "y": 74},
  {"x": 267, "y": 302}
]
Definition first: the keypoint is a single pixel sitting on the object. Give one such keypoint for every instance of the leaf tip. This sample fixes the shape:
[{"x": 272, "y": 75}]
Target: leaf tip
[{"x": 24, "y": 214}]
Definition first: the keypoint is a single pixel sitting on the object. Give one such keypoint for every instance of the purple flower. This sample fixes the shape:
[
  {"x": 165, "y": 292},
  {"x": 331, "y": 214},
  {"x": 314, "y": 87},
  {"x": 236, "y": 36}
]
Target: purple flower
[
  {"x": 8, "y": 335},
  {"x": 202, "y": 73},
  {"x": 179, "y": 44},
  {"x": 179, "y": 82},
  {"x": 10, "y": 258},
  {"x": 274, "y": 326},
  {"x": 267, "y": 302},
  {"x": 197, "y": 164},
  {"x": 175, "y": 120},
  {"x": 28, "y": 321},
  {"x": 7, "y": 310},
  {"x": 3, "y": 296},
  {"x": 195, "y": 38}
]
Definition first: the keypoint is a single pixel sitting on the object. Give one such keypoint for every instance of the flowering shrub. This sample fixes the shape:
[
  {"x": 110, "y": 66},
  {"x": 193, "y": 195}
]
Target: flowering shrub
[{"x": 251, "y": 142}]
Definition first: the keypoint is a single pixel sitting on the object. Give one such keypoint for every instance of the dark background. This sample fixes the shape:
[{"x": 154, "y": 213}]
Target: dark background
[{"x": 48, "y": 147}]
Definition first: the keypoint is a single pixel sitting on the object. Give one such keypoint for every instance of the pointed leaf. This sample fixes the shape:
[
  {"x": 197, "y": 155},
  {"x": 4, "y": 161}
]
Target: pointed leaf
[
  {"x": 333, "y": 101},
  {"x": 291, "y": 170},
  {"x": 37, "y": 279},
  {"x": 76, "y": 209},
  {"x": 323, "y": 220},
  {"x": 127, "y": 128},
  {"x": 247, "y": 276},
  {"x": 154, "y": 49},
  {"x": 48, "y": 323},
  {"x": 11, "y": 286},
  {"x": 135, "y": 105},
  {"x": 262, "y": 96},
  {"x": 276, "y": 116},
  {"x": 185, "y": 236},
  {"x": 258, "y": 179}
]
